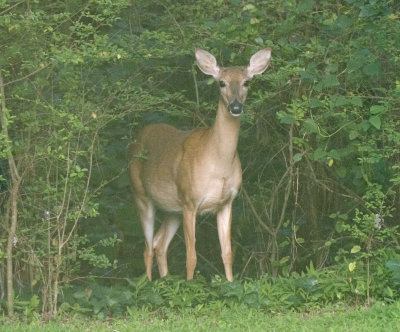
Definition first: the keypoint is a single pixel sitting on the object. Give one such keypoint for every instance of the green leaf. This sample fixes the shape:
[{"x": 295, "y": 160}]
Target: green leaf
[
  {"x": 249, "y": 7},
  {"x": 353, "y": 134},
  {"x": 311, "y": 126},
  {"x": 328, "y": 81},
  {"x": 355, "y": 63},
  {"x": 319, "y": 154},
  {"x": 352, "y": 266},
  {"x": 356, "y": 101},
  {"x": 343, "y": 22},
  {"x": 355, "y": 249},
  {"x": 375, "y": 121},
  {"x": 339, "y": 101},
  {"x": 285, "y": 117},
  {"x": 210, "y": 81},
  {"x": 365, "y": 125},
  {"x": 377, "y": 109},
  {"x": 315, "y": 103},
  {"x": 307, "y": 76},
  {"x": 259, "y": 40},
  {"x": 332, "y": 68},
  {"x": 372, "y": 69},
  {"x": 297, "y": 157},
  {"x": 389, "y": 292},
  {"x": 339, "y": 226},
  {"x": 284, "y": 243},
  {"x": 334, "y": 154},
  {"x": 284, "y": 260},
  {"x": 34, "y": 302}
]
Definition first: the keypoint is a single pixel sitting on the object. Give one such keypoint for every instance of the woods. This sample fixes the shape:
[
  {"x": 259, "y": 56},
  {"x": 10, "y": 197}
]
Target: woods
[{"x": 319, "y": 146}]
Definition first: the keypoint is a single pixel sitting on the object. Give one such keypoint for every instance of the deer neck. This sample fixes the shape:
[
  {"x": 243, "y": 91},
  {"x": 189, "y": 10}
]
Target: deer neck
[{"x": 225, "y": 133}]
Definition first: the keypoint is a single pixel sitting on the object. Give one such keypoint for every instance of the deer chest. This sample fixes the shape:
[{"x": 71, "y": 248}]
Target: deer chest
[{"x": 216, "y": 191}]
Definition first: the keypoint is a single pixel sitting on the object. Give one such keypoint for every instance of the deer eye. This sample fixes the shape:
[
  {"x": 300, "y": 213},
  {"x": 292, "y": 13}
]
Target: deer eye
[{"x": 222, "y": 84}]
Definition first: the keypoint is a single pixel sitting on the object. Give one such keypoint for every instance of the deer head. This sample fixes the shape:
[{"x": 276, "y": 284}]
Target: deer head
[{"x": 233, "y": 80}]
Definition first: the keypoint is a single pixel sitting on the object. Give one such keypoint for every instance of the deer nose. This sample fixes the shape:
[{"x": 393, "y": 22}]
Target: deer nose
[{"x": 235, "y": 108}]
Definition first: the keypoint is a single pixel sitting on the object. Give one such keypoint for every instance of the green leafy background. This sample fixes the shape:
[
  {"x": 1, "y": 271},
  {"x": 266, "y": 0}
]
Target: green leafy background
[{"x": 319, "y": 139}]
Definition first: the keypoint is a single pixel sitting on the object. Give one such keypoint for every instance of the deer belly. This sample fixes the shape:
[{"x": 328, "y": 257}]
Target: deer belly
[{"x": 165, "y": 196}]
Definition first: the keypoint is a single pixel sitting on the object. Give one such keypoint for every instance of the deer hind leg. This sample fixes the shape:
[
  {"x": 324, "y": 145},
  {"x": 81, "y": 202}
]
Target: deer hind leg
[
  {"x": 146, "y": 213},
  {"x": 162, "y": 240},
  {"x": 224, "y": 219},
  {"x": 144, "y": 204}
]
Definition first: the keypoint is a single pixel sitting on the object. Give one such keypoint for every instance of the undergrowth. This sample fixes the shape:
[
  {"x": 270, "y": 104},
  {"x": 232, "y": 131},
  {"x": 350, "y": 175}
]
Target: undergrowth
[{"x": 308, "y": 291}]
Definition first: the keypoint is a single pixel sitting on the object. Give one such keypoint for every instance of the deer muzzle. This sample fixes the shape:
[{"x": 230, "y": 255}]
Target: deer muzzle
[{"x": 235, "y": 108}]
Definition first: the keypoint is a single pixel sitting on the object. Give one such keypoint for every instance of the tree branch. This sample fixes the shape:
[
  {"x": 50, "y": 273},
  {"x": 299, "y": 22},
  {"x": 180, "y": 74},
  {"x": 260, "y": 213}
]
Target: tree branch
[{"x": 24, "y": 77}]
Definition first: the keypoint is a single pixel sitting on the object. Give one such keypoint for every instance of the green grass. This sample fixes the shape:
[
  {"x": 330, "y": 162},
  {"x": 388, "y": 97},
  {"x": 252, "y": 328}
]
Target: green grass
[{"x": 217, "y": 317}]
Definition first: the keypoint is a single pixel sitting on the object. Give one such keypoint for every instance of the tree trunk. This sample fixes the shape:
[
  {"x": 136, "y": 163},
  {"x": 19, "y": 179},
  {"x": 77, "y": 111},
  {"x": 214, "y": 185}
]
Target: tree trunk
[
  {"x": 15, "y": 182},
  {"x": 10, "y": 243}
]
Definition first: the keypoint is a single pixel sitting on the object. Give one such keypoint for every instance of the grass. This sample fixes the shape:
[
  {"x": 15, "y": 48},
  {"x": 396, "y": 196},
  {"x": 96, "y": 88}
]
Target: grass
[{"x": 217, "y": 317}]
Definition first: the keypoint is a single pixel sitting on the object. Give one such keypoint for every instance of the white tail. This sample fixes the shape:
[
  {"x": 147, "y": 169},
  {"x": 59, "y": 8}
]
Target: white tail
[{"x": 186, "y": 173}]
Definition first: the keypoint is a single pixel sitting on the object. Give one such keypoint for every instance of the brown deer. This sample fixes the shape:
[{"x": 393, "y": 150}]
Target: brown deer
[{"x": 193, "y": 172}]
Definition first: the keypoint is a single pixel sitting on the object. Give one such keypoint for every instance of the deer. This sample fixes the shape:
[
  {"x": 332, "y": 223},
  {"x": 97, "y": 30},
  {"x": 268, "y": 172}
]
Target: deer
[{"x": 189, "y": 173}]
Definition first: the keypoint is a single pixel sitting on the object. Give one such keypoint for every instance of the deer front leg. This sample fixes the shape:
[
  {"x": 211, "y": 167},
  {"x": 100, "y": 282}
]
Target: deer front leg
[
  {"x": 189, "y": 227},
  {"x": 224, "y": 219}
]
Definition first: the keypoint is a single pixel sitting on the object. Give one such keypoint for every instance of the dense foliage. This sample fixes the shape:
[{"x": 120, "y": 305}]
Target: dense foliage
[{"x": 320, "y": 143}]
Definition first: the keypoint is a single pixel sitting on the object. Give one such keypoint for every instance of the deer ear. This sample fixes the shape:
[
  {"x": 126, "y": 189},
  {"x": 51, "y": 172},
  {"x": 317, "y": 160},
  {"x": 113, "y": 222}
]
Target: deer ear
[
  {"x": 259, "y": 62},
  {"x": 207, "y": 63}
]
